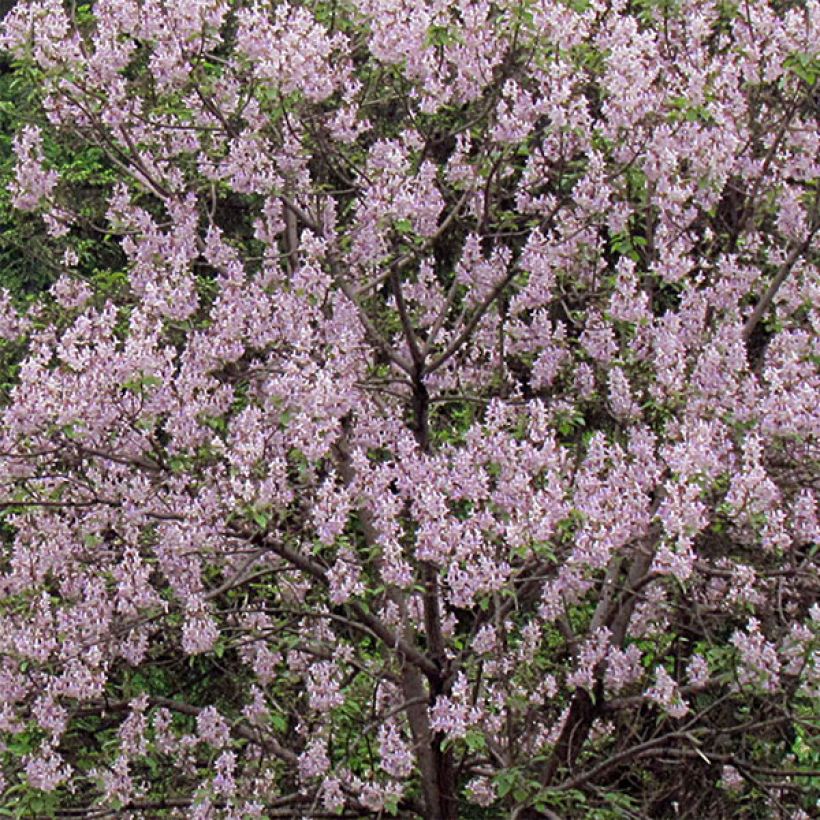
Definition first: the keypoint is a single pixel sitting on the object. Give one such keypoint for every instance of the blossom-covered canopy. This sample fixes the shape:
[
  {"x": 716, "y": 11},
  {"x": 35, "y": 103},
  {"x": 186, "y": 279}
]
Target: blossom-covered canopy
[{"x": 443, "y": 441}]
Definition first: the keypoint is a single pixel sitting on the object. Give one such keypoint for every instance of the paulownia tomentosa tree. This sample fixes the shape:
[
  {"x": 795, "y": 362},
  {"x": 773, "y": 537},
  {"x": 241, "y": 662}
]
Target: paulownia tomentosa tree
[{"x": 445, "y": 443}]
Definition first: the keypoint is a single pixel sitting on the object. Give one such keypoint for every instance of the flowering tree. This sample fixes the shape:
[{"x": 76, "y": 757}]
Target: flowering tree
[{"x": 441, "y": 440}]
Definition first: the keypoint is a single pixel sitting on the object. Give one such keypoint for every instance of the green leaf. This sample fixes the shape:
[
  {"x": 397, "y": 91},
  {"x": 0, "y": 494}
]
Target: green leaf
[
  {"x": 804, "y": 65},
  {"x": 260, "y": 518}
]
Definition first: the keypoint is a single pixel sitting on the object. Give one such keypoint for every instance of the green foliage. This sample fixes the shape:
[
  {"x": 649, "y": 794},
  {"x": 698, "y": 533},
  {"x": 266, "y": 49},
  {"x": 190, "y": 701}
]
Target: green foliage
[
  {"x": 804, "y": 65},
  {"x": 30, "y": 259}
]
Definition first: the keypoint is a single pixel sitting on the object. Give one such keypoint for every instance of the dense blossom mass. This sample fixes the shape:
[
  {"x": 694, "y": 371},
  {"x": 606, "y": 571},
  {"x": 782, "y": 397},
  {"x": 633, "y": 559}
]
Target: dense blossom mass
[{"x": 442, "y": 441}]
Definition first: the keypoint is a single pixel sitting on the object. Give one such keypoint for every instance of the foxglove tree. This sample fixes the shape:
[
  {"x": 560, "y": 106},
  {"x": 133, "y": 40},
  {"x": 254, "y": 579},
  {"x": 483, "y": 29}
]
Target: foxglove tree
[{"x": 443, "y": 441}]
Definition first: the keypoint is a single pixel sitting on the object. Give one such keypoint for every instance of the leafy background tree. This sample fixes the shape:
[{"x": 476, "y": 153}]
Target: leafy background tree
[{"x": 410, "y": 408}]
